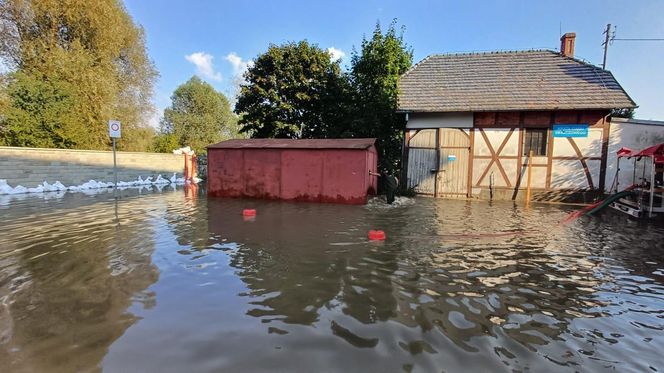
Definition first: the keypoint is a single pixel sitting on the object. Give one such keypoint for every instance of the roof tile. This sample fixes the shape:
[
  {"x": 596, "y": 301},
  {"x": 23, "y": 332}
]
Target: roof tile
[{"x": 533, "y": 80}]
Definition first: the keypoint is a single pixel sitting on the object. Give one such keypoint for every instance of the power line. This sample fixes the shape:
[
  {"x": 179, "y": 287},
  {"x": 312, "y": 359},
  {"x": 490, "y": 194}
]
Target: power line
[
  {"x": 637, "y": 39},
  {"x": 610, "y": 37}
]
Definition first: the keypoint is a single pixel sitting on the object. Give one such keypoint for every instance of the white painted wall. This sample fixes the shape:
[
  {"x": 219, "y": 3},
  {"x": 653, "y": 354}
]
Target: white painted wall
[
  {"x": 590, "y": 146},
  {"x": 569, "y": 174},
  {"x": 636, "y": 135},
  {"x": 440, "y": 120}
]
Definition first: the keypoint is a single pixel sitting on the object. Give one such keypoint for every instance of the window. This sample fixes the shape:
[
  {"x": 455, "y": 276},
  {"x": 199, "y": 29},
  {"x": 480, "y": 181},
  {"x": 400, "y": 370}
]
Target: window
[{"x": 535, "y": 139}]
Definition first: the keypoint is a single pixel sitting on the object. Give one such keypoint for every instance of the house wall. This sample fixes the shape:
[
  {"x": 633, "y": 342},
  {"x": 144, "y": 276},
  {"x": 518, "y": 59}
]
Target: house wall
[
  {"x": 32, "y": 166},
  {"x": 440, "y": 120},
  {"x": 636, "y": 135},
  {"x": 571, "y": 164},
  {"x": 314, "y": 175}
]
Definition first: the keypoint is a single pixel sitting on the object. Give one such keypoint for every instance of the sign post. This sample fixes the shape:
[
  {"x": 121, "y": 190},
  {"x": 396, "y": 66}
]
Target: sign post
[{"x": 114, "y": 131}]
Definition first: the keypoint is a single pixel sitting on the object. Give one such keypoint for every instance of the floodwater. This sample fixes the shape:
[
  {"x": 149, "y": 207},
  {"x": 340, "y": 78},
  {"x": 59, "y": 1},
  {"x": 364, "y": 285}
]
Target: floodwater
[{"x": 163, "y": 281}]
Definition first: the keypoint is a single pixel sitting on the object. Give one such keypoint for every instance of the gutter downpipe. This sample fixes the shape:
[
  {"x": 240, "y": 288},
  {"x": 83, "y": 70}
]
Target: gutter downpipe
[{"x": 404, "y": 153}]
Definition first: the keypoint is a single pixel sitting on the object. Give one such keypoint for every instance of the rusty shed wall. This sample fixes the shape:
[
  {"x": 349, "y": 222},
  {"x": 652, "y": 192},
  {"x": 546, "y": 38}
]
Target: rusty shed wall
[{"x": 314, "y": 175}]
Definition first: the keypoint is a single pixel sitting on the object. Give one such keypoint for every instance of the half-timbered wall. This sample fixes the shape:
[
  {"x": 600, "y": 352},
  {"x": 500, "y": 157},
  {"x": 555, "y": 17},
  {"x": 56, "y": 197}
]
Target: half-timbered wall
[
  {"x": 497, "y": 159},
  {"x": 569, "y": 163}
]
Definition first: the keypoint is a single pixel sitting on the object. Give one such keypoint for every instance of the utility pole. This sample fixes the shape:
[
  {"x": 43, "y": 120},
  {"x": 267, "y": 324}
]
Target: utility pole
[
  {"x": 607, "y": 34},
  {"x": 610, "y": 37}
]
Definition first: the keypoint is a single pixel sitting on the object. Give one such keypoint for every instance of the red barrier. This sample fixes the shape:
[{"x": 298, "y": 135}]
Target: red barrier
[
  {"x": 376, "y": 235},
  {"x": 186, "y": 166}
]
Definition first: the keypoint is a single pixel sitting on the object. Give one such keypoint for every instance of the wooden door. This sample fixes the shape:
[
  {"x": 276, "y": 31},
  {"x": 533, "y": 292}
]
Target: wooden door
[
  {"x": 438, "y": 162},
  {"x": 453, "y": 163},
  {"x": 422, "y": 159}
]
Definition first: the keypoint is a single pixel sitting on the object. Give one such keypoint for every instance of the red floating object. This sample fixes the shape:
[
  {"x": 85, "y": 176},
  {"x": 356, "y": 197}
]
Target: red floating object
[
  {"x": 376, "y": 235},
  {"x": 249, "y": 212}
]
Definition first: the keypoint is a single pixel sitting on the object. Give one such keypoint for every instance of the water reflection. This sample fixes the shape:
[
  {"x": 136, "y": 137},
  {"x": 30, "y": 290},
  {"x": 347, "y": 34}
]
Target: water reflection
[
  {"x": 437, "y": 274},
  {"x": 457, "y": 286},
  {"x": 67, "y": 276}
]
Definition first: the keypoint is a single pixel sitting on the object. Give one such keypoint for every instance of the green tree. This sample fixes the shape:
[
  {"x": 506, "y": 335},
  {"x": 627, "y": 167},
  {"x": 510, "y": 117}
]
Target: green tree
[
  {"x": 94, "y": 47},
  {"x": 375, "y": 72},
  {"x": 623, "y": 113},
  {"x": 164, "y": 143},
  {"x": 293, "y": 90},
  {"x": 39, "y": 114},
  {"x": 198, "y": 116}
]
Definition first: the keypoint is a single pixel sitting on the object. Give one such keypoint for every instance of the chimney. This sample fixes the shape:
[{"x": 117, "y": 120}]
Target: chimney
[{"x": 567, "y": 44}]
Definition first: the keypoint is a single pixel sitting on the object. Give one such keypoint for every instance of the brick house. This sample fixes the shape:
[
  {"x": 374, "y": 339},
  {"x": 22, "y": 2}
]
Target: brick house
[{"x": 472, "y": 120}]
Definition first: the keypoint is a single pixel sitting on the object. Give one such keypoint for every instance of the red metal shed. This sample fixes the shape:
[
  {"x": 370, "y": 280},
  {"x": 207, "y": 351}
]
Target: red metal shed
[{"x": 329, "y": 170}]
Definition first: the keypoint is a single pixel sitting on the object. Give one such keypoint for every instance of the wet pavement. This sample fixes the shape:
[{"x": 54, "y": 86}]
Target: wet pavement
[{"x": 165, "y": 281}]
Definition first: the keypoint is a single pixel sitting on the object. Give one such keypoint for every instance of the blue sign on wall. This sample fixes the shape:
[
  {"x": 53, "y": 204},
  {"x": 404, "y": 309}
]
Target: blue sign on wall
[{"x": 570, "y": 130}]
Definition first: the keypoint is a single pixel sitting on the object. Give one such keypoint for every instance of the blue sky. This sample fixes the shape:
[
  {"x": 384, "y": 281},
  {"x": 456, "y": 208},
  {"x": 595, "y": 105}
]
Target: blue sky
[{"x": 216, "y": 39}]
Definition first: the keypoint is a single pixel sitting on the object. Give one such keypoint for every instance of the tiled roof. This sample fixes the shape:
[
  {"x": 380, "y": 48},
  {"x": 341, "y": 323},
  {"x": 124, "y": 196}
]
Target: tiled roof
[
  {"x": 294, "y": 144},
  {"x": 523, "y": 80}
]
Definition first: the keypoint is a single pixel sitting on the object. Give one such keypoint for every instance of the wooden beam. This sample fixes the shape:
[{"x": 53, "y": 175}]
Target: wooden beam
[
  {"x": 530, "y": 174},
  {"x": 435, "y": 180},
  {"x": 404, "y": 157},
  {"x": 606, "y": 132},
  {"x": 571, "y": 158},
  {"x": 519, "y": 162},
  {"x": 506, "y": 157},
  {"x": 583, "y": 162},
  {"x": 549, "y": 150},
  {"x": 471, "y": 159},
  {"x": 495, "y": 157}
]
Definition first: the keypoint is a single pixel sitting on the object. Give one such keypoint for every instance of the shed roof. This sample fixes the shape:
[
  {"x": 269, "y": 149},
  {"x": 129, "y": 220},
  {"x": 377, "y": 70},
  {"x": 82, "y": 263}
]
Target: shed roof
[
  {"x": 503, "y": 81},
  {"x": 294, "y": 144}
]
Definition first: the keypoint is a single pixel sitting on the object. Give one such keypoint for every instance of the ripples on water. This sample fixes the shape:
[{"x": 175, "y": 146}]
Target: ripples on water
[{"x": 163, "y": 281}]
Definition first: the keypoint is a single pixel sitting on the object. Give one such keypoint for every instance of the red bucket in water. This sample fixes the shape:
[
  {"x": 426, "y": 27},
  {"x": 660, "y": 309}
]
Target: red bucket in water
[
  {"x": 249, "y": 212},
  {"x": 376, "y": 235}
]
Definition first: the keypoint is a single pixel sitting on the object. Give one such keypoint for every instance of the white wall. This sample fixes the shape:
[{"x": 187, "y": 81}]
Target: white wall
[
  {"x": 440, "y": 120},
  {"x": 569, "y": 174},
  {"x": 636, "y": 135}
]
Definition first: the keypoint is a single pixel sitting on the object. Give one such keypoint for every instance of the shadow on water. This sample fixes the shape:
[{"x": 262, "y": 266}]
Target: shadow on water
[{"x": 457, "y": 286}]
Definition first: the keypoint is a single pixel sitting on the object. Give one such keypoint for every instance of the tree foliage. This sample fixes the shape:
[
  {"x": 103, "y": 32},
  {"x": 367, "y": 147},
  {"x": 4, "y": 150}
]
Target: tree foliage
[
  {"x": 198, "y": 116},
  {"x": 164, "y": 143},
  {"x": 292, "y": 90},
  {"x": 375, "y": 72},
  {"x": 295, "y": 90},
  {"x": 87, "y": 56},
  {"x": 39, "y": 114},
  {"x": 623, "y": 113}
]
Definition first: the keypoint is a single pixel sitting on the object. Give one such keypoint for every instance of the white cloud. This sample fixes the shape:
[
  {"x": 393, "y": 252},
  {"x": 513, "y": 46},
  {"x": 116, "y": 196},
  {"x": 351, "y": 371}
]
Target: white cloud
[
  {"x": 204, "y": 66},
  {"x": 336, "y": 54},
  {"x": 239, "y": 65}
]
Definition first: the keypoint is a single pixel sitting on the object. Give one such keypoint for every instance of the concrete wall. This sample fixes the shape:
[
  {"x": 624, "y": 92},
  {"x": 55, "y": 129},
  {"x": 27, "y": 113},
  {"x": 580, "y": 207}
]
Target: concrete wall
[
  {"x": 30, "y": 166},
  {"x": 636, "y": 135}
]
